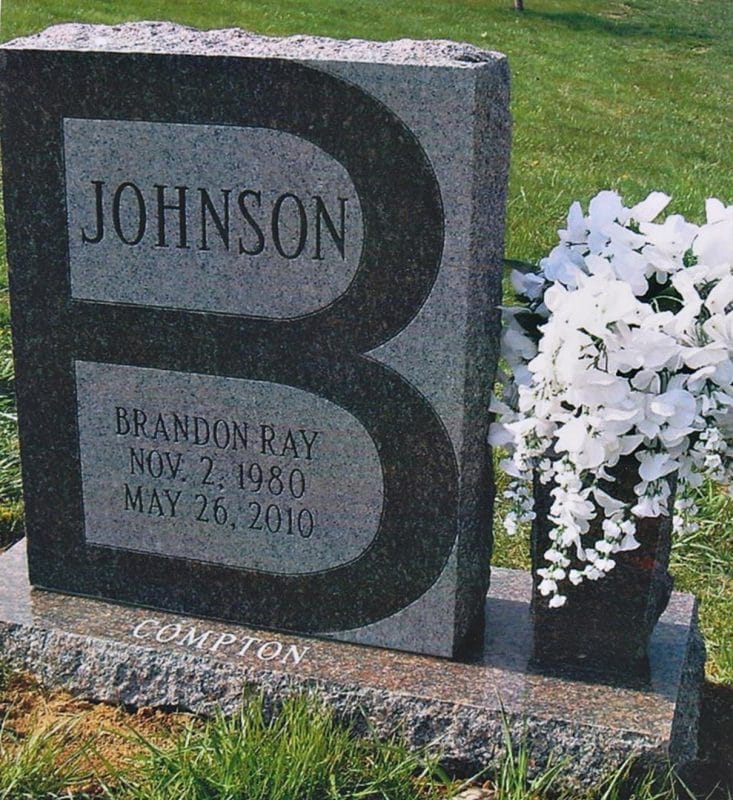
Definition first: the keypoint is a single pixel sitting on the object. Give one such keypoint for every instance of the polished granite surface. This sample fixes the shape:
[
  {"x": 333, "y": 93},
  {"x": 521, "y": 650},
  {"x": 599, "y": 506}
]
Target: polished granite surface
[{"x": 497, "y": 675}]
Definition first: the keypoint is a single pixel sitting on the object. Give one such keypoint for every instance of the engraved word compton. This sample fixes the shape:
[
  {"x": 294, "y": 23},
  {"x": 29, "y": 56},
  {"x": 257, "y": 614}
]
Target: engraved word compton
[{"x": 217, "y": 642}]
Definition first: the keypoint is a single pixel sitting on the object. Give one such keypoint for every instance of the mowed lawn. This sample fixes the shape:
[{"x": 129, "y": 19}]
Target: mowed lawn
[{"x": 634, "y": 95}]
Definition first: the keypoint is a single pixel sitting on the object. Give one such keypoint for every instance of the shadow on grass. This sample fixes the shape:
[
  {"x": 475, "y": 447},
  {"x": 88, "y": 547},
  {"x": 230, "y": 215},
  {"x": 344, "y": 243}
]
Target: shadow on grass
[
  {"x": 11, "y": 531},
  {"x": 711, "y": 776},
  {"x": 593, "y": 23}
]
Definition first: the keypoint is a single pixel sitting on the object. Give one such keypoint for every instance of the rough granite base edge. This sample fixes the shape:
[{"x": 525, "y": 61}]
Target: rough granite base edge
[{"x": 596, "y": 727}]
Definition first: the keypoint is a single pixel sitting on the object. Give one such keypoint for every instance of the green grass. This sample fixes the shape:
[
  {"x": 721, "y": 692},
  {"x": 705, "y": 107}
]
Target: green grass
[
  {"x": 301, "y": 752},
  {"x": 622, "y": 784},
  {"x": 37, "y": 767},
  {"x": 635, "y": 95},
  {"x": 515, "y": 778},
  {"x": 5, "y": 675},
  {"x": 702, "y": 563},
  {"x": 11, "y": 507}
]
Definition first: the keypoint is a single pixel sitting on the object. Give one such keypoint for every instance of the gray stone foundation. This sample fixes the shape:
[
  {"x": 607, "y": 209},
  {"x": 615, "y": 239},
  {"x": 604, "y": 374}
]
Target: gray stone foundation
[{"x": 122, "y": 654}]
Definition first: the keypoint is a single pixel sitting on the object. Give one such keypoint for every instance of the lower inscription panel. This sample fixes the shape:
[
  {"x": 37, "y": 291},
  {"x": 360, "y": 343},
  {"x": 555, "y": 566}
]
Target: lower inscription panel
[{"x": 239, "y": 472}]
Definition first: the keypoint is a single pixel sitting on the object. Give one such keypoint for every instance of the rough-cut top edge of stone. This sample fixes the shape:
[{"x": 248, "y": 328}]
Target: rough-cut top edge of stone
[{"x": 168, "y": 37}]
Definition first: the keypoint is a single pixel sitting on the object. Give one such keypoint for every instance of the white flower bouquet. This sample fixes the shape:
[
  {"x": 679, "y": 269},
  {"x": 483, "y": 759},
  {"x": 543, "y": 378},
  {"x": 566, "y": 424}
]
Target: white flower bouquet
[{"x": 622, "y": 349}]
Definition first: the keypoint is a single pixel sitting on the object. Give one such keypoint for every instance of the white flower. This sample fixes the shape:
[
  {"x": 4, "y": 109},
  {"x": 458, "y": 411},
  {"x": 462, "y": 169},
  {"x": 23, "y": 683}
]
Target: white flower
[
  {"x": 632, "y": 354},
  {"x": 499, "y": 436},
  {"x": 629, "y": 542},
  {"x": 575, "y": 577},
  {"x": 650, "y": 208},
  {"x": 668, "y": 242},
  {"x": 714, "y": 243},
  {"x": 646, "y": 506},
  {"x": 643, "y": 348},
  {"x": 677, "y": 406},
  {"x": 609, "y": 504},
  {"x": 528, "y": 284},
  {"x": 655, "y": 465},
  {"x": 720, "y": 299},
  {"x": 572, "y": 435},
  {"x": 715, "y": 211},
  {"x": 605, "y": 208},
  {"x": 709, "y": 355},
  {"x": 547, "y": 586},
  {"x": 563, "y": 266},
  {"x": 576, "y": 231},
  {"x": 719, "y": 328}
]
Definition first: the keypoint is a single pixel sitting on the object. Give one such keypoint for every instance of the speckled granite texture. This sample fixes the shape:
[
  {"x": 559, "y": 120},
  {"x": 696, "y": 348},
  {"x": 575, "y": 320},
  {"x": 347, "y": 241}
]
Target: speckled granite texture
[
  {"x": 168, "y": 37},
  {"x": 141, "y": 657},
  {"x": 254, "y": 292}
]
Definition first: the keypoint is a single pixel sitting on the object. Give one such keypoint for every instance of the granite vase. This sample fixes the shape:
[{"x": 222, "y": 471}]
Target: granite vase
[{"x": 605, "y": 625}]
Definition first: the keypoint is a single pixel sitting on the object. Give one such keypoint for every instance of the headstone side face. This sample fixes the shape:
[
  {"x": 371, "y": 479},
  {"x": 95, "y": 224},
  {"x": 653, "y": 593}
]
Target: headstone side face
[
  {"x": 254, "y": 287},
  {"x": 493, "y": 128}
]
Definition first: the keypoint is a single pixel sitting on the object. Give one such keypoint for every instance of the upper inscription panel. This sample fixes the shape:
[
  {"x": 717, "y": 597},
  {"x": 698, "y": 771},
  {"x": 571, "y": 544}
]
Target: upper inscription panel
[{"x": 207, "y": 217}]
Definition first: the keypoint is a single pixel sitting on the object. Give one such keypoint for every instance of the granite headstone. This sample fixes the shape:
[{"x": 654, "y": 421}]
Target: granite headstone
[{"x": 254, "y": 287}]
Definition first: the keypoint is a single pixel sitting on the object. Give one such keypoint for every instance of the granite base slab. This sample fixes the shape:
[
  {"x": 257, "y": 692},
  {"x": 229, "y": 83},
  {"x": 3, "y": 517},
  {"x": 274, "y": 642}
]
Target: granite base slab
[{"x": 122, "y": 654}]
